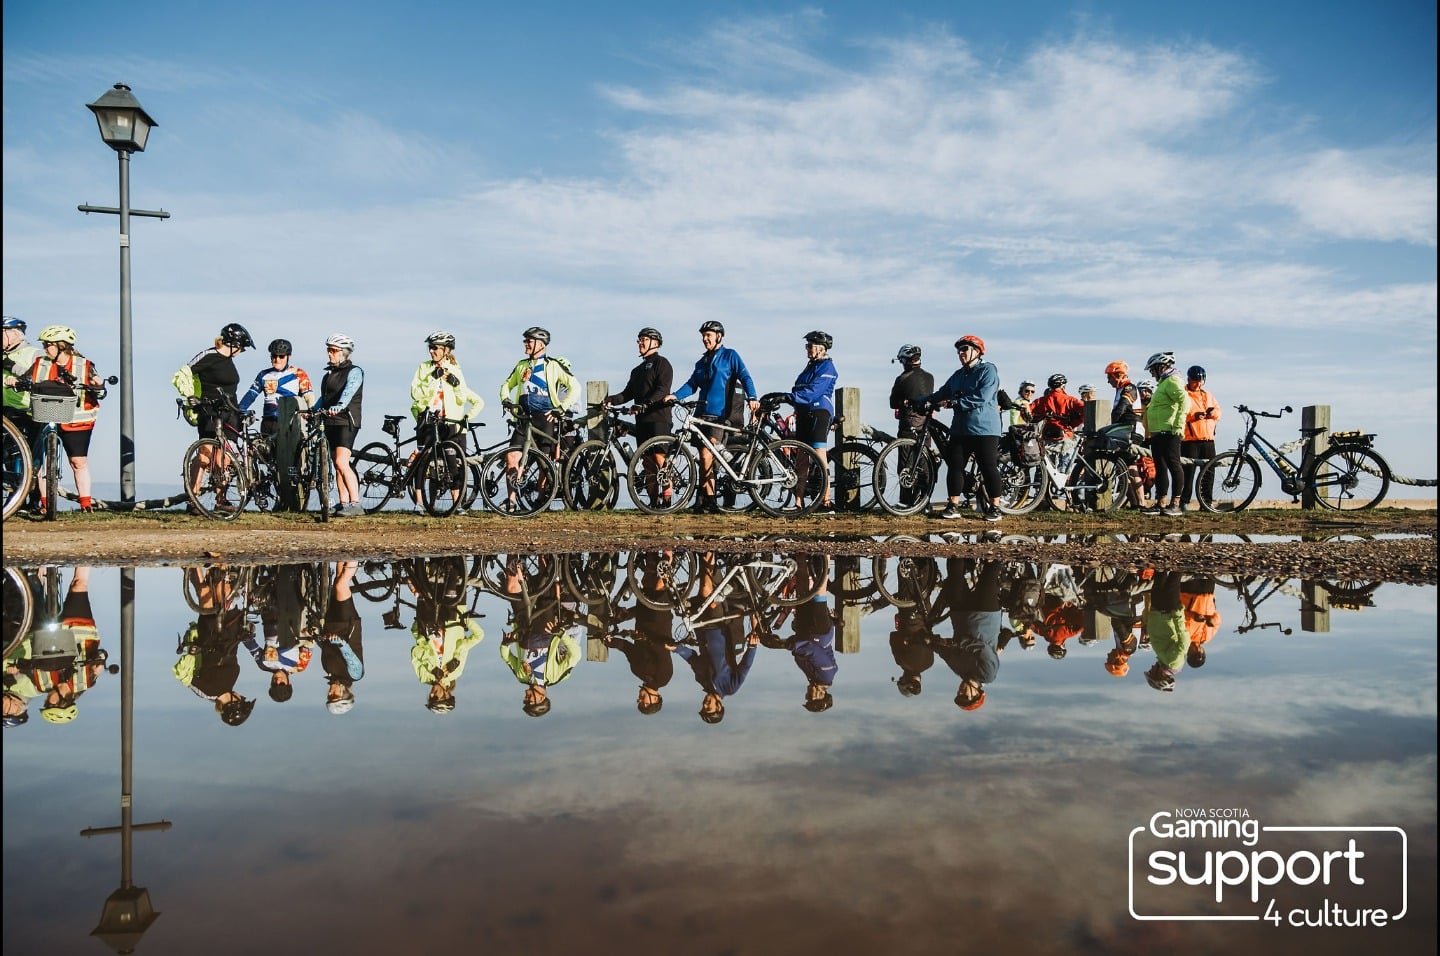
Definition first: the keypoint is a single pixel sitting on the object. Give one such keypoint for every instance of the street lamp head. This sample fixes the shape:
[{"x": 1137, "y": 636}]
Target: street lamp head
[{"x": 124, "y": 124}]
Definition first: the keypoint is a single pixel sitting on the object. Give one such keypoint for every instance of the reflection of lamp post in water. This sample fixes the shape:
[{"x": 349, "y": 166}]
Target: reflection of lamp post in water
[{"x": 127, "y": 913}]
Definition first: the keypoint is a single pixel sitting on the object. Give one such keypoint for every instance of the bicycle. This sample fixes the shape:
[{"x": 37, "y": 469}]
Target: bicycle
[
  {"x": 1350, "y": 476},
  {"x": 907, "y": 470},
  {"x": 590, "y": 476},
  {"x": 528, "y": 488},
  {"x": 1094, "y": 478},
  {"x": 240, "y": 460},
  {"x": 316, "y": 470},
  {"x": 27, "y": 462},
  {"x": 766, "y": 589},
  {"x": 853, "y": 486},
  {"x": 436, "y": 469},
  {"x": 769, "y": 471}
]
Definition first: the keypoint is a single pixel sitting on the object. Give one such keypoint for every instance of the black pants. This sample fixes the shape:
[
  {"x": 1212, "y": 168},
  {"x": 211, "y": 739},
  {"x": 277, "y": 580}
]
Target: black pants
[
  {"x": 1201, "y": 451},
  {"x": 985, "y": 449},
  {"x": 1169, "y": 475}
]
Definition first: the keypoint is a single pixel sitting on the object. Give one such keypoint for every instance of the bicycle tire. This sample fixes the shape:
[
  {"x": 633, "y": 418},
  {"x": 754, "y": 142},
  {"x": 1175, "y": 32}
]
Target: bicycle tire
[
  {"x": 211, "y": 493},
  {"x": 533, "y": 573},
  {"x": 473, "y": 480},
  {"x": 904, "y": 478},
  {"x": 590, "y": 576},
  {"x": 810, "y": 575},
  {"x": 680, "y": 472},
  {"x": 589, "y": 481},
  {"x": 51, "y": 498},
  {"x": 1349, "y": 478},
  {"x": 1021, "y": 488},
  {"x": 19, "y": 607},
  {"x": 377, "y": 472},
  {"x": 320, "y": 470},
  {"x": 19, "y": 471},
  {"x": 914, "y": 575},
  {"x": 1228, "y": 482},
  {"x": 376, "y": 579},
  {"x": 534, "y": 486},
  {"x": 680, "y": 572},
  {"x": 442, "y": 479},
  {"x": 1110, "y": 478},
  {"x": 853, "y": 487},
  {"x": 775, "y": 479}
]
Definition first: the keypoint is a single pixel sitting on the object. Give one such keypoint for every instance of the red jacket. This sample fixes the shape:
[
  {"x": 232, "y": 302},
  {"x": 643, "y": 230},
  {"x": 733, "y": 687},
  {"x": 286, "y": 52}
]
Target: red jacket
[{"x": 1067, "y": 410}]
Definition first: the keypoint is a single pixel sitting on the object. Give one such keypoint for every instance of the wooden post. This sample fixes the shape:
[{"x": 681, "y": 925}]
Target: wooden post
[
  {"x": 1097, "y": 414},
  {"x": 1314, "y": 607},
  {"x": 847, "y": 581},
  {"x": 595, "y": 393},
  {"x": 847, "y": 468},
  {"x": 596, "y": 649},
  {"x": 1314, "y": 416}
]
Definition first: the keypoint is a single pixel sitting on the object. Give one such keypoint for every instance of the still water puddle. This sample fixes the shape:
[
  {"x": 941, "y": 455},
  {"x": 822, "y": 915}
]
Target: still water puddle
[{"x": 688, "y": 752}]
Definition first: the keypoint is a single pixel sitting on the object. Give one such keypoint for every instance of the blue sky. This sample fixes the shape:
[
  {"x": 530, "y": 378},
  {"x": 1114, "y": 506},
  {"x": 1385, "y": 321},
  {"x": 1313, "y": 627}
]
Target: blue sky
[{"x": 1252, "y": 186}]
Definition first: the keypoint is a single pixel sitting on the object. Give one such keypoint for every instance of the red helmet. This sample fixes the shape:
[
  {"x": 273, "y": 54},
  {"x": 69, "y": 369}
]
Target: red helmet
[
  {"x": 975, "y": 704},
  {"x": 974, "y": 340}
]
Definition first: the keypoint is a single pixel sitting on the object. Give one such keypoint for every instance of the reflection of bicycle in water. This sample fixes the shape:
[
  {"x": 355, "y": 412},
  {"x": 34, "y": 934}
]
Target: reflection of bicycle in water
[{"x": 765, "y": 589}]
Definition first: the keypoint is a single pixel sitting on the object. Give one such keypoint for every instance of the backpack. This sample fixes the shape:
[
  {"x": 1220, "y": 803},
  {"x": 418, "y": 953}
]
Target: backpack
[{"x": 187, "y": 383}]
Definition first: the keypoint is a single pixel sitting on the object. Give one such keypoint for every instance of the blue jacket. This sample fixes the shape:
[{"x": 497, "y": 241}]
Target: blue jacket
[
  {"x": 711, "y": 380},
  {"x": 976, "y": 394},
  {"x": 815, "y": 388}
]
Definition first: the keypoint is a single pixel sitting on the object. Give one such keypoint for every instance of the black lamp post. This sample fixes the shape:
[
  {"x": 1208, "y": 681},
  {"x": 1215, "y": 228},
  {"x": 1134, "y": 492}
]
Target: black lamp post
[{"x": 124, "y": 126}]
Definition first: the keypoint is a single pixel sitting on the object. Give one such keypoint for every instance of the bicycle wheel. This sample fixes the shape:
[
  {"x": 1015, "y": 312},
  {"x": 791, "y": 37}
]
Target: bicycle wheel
[
  {"x": 18, "y": 470},
  {"x": 788, "y": 479},
  {"x": 50, "y": 490},
  {"x": 590, "y": 481},
  {"x": 376, "y": 579},
  {"x": 678, "y": 474},
  {"x": 799, "y": 579},
  {"x": 1098, "y": 483},
  {"x": 1348, "y": 478},
  {"x": 19, "y": 609},
  {"x": 853, "y": 487},
  {"x": 473, "y": 480},
  {"x": 1228, "y": 482},
  {"x": 442, "y": 482},
  {"x": 1021, "y": 488},
  {"x": 519, "y": 575},
  {"x": 377, "y": 471},
  {"x": 533, "y": 484},
  {"x": 590, "y": 576},
  {"x": 904, "y": 580},
  {"x": 904, "y": 477},
  {"x": 212, "y": 479},
  {"x": 661, "y": 581},
  {"x": 321, "y": 476}
]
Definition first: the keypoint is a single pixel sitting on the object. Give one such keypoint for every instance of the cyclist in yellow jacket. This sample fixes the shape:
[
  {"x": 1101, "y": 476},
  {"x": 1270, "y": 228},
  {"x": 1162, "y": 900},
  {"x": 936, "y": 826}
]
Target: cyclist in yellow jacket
[{"x": 439, "y": 395}]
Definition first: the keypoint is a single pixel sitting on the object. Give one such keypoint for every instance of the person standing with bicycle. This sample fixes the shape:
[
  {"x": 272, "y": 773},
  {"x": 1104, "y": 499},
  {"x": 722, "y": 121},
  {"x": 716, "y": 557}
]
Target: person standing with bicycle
[
  {"x": 1165, "y": 422},
  {"x": 438, "y": 400},
  {"x": 649, "y": 383},
  {"x": 1197, "y": 444},
  {"x": 341, "y": 391},
  {"x": 715, "y": 372},
  {"x": 217, "y": 380},
  {"x": 974, "y": 390},
  {"x": 280, "y": 380},
  {"x": 20, "y": 355},
  {"x": 542, "y": 388},
  {"x": 813, "y": 396},
  {"x": 61, "y": 370}
]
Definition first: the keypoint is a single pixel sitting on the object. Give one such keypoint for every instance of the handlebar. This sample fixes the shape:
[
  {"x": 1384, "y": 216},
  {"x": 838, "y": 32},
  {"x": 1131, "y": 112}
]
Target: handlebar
[{"x": 1244, "y": 410}]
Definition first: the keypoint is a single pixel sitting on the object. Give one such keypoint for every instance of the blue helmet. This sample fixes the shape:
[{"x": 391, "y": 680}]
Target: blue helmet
[
  {"x": 13, "y": 323},
  {"x": 1195, "y": 373}
]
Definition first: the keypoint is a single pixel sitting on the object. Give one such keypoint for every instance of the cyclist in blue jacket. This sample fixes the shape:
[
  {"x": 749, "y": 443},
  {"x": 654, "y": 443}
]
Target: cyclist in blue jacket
[{"x": 712, "y": 379}]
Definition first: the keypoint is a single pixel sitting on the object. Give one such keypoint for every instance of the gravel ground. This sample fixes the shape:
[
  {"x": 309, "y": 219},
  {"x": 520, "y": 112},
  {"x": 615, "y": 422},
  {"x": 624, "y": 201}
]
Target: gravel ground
[{"x": 1388, "y": 544}]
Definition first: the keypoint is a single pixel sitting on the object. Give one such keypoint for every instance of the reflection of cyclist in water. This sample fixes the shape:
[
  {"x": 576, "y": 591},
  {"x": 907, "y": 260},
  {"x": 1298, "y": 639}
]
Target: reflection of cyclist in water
[
  {"x": 719, "y": 632},
  {"x": 910, "y": 645},
  {"x": 57, "y": 664},
  {"x": 285, "y": 652},
  {"x": 210, "y": 665},
  {"x": 813, "y": 647},
  {"x": 539, "y": 651},
  {"x": 342, "y": 655},
  {"x": 1202, "y": 618},
  {"x": 444, "y": 630},
  {"x": 975, "y": 616},
  {"x": 1165, "y": 626}
]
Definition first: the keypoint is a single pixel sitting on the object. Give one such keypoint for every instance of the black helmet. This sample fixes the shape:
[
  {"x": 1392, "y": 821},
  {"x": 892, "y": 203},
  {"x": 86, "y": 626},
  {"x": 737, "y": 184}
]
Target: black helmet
[
  {"x": 907, "y": 352},
  {"x": 712, "y": 326},
  {"x": 236, "y": 711},
  {"x": 441, "y": 338},
  {"x": 651, "y": 333},
  {"x": 823, "y": 339},
  {"x": 1056, "y": 381},
  {"x": 235, "y": 336},
  {"x": 1196, "y": 373},
  {"x": 538, "y": 334},
  {"x": 280, "y": 347}
]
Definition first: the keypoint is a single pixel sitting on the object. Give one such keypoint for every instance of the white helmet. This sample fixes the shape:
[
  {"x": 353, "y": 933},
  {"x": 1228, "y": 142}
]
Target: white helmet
[
  {"x": 1161, "y": 360},
  {"x": 340, "y": 340}
]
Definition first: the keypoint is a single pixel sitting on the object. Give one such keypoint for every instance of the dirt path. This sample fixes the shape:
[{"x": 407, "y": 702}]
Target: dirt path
[{"x": 1390, "y": 544}]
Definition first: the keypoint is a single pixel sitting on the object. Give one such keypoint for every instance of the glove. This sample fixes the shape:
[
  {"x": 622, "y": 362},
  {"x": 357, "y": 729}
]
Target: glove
[
  {"x": 438, "y": 372},
  {"x": 452, "y": 380}
]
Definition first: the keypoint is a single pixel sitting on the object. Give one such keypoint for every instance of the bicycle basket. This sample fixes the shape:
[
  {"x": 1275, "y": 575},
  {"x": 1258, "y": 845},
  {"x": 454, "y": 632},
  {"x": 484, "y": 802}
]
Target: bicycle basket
[
  {"x": 1353, "y": 439},
  {"x": 52, "y": 402}
]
